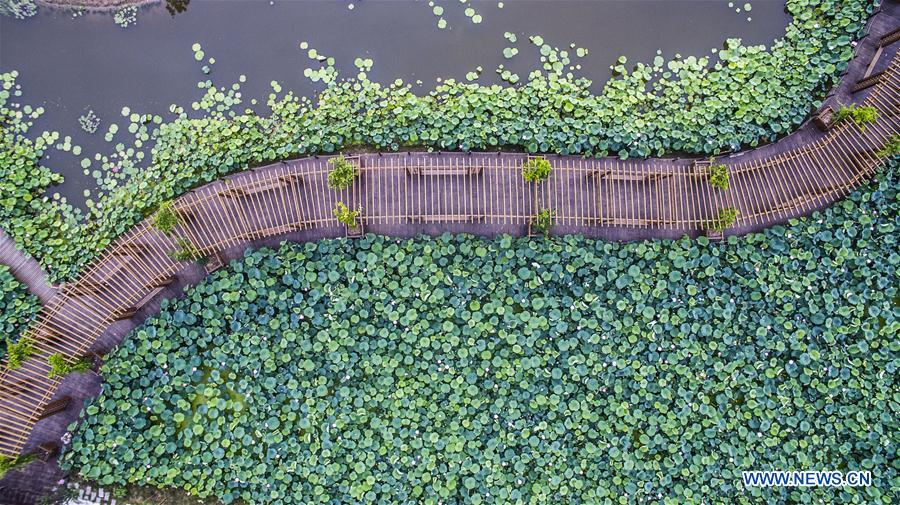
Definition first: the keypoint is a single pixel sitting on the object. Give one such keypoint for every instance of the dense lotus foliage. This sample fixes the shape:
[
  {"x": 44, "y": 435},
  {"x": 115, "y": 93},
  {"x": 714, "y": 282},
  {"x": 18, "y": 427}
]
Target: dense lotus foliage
[
  {"x": 18, "y": 9},
  {"x": 750, "y": 94},
  {"x": 47, "y": 229},
  {"x": 17, "y": 308},
  {"x": 466, "y": 370}
]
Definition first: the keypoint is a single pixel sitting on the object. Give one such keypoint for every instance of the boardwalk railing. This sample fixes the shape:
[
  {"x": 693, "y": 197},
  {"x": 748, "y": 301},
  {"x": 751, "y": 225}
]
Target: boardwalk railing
[{"x": 427, "y": 188}]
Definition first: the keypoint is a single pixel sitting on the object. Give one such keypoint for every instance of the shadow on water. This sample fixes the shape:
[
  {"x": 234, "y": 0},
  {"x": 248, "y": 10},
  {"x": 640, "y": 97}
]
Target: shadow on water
[
  {"x": 70, "y": 65},
  {"x": 177, "y": 6}
]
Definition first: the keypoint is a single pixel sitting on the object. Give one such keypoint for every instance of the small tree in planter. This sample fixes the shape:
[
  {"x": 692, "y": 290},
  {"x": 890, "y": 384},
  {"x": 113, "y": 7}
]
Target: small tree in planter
[
  {"x": 727, "y": 217},
  {"x": 166, "y": 219},
  {"x": 891, "y": 147},
  {"x": 186, "y": 251},
  {"x": 541, "y": 222},
  {"x": 348, "y": 218},
  {"x": 860, "y": 115},
  {"x": 824, "y": 119},
  {"x": 718, "y": 175},
  {"x": 59, "y": 367},
  {"x": 19, "y": 352},
  {"x": 536, "y": 170},
  {"x": 341, "y": 175}
]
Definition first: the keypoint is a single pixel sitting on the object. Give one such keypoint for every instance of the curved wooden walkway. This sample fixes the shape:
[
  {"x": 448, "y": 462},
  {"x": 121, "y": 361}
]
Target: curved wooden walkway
[
  {"x": 25, "y": 268},
  {"x": 432, "y": 192}
]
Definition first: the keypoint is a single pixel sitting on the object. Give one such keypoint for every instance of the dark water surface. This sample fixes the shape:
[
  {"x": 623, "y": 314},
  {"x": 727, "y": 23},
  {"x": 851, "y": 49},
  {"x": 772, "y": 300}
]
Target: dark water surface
[{"x": 71, "y": 65}]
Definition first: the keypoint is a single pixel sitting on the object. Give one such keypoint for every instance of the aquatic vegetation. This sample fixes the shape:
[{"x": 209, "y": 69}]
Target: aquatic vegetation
[
  {"x": 506, "y": 75},
  {"x": 89, "y": 122},
  {"x": 364, "y": 65},
  {"x": 19, "y": 9},
  {"x": 326, "y": 73},
  {"x": 469, "y": 11},
  {"x": 47, "y": 229},
  {"x": 126, "y": 16},
  {"x": 536, "y": 169},
  {"x": 391, "y": 116},
  {"x": 746, "y": 8},
  {"x": 438, "y": 11},
  {"x": 553, "y": 59},
  {"x": 174, "y": 7},
  {"x": 17, "y": 308},
  {"x": 473, "y": 76},
  {"x": 198, "y": 51},
  {"x": 454, "y": 368}
]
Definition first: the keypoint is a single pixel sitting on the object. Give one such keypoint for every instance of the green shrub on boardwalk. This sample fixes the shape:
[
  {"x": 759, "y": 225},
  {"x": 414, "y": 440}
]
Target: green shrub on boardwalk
[
  {"x": 718, "y": 175},
  {"x": 19, "y": 351},
  {"x": 60, "y": 367},
  {"x": 9, "y": 464},
  {"x": 185, "y": 250},
  {"x": 860, "y": 115},
  {"x": 543, "y": 221},
  {"x": 536, "y": 169},
  {"x": 342, "y": 173},
  {"x": 727, "y": 217},
  {"x": 891, "y": 148},
  {"x": 346, "y": 216},
  {"x": 166, "y": 219}
]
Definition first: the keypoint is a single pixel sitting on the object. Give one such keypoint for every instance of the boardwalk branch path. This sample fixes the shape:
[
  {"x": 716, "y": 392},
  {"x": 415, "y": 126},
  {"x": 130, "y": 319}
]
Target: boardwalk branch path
[
  {"x": 408, "y": 193},
  {"x": 25, "y": 268}
]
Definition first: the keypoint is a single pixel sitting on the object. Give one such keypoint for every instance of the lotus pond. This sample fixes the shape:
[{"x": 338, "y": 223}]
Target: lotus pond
[
  {"x": 462, "y": 370},
  {"x": 456, "y": 369}
]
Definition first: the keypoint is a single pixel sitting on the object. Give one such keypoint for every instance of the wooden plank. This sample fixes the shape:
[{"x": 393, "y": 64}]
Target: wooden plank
[
  {"x": 624, "y": 221},
  {"x": 867, "y": 82},
  {"x": 889, "y": 38},
  {"x": 443, "y": 170},
  {"x": 56, "y": 407},
  {"x": 446, "y": 218}
]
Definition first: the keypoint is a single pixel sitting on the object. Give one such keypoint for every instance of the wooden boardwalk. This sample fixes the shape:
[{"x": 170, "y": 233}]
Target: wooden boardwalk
[
  {"x": 418, "y": 190},
  {"x": 25, "y": 269}
]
